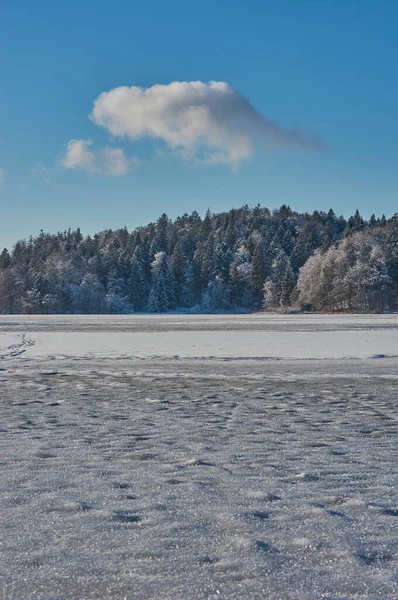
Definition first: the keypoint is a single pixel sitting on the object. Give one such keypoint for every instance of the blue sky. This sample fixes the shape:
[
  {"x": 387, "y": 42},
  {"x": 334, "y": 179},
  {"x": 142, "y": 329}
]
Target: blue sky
[{"x": 326, "y": 66}]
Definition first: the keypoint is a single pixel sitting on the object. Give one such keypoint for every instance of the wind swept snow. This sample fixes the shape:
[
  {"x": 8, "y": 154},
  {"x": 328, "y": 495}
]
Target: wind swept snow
[{"x": 153, "y": 457}]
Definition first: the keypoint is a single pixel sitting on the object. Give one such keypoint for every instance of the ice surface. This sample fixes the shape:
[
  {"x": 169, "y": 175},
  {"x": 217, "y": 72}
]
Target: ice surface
[
  {"x": 178, "y": 322},
  {"x": 203, "y": 476},
  {"x": 206, "y": 336}
]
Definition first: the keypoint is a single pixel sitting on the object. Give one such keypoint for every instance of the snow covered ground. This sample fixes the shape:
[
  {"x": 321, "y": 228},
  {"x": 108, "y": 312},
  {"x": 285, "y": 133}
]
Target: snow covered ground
[
  {"x": 201, "y": 336},
  {"x": 176, "y": 456}
]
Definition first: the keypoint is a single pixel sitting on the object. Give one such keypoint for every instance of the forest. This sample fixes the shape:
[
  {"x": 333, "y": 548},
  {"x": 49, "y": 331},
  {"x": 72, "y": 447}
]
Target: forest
[{"x": 247, "y": 259}]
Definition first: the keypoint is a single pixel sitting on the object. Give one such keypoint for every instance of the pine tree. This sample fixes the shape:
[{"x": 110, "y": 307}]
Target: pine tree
[
  {"x": 178, "y": 269},
  {"x": 208, "y": 261},
  {"x": 206, "y": 225},
  {"x": 137, "y": 283},
  {"x": 261, "y": 267},
  {"x": 221, "y": 261},
  {"x": 158, "y": 301},
  {"x": 162, "y": 296},
  {"x": 5, "y": 259}
]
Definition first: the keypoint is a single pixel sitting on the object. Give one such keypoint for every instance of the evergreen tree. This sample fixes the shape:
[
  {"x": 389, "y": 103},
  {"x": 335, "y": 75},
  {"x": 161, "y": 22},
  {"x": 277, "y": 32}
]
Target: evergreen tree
[
  {"x": 5, "y": 259},
  {"x": 137, "y": 282},
  {"x": 158, "y": 300},
  {"x": 162, "y": 296},
  {"x": 207, "y": 266},
  {"x": 261, "y": 267},
  {"x": 221, "y": 262}
]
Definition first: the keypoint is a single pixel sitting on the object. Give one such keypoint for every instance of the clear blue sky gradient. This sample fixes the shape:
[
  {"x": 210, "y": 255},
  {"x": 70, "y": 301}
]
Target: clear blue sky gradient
[{"x": 325, "y": 65}]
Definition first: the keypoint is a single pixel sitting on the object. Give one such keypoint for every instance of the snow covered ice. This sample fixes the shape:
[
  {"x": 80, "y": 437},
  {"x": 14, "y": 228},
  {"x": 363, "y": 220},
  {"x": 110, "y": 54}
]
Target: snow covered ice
[{"x": 178, "y": 456}]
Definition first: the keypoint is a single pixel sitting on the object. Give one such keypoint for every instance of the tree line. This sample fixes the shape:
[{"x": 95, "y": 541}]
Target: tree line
[{"x": 244, "y": 259}]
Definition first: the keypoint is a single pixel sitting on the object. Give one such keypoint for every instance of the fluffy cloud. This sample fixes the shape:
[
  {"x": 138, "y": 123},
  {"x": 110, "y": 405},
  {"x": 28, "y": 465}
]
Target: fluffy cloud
[
  {"x": 115, "y": 162},
  {"x": 78, "y": 156},
  {"x": 111, "y": 161},
  {"x": 2, "y": 176},
  {"x": 206, "y": 121}
]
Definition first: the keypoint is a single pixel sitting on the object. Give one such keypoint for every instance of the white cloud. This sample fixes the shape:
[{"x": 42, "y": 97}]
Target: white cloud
[
  {"x": 206, "y": 121},
  {"x": 111, "y": 161},
  {"x": 78, "y": 156},
  {"x": 115, "y": 161},
  {"x": 3, "y": 174}
]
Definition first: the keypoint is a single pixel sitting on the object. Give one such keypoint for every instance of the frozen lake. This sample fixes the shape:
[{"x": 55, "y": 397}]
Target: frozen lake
[{"x": 179, "y": 457}]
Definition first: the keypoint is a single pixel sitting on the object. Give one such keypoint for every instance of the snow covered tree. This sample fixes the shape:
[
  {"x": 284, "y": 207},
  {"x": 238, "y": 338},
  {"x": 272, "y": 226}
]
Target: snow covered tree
[
  {"x": 162, "y": 295},
  {"x": 5, "y": 259},
  {"x": 137, "y": 284},
  {"x": 261, "y": 265},
  {"x": 222, "y": 260},
  {"x": 240, "y": 279},
  {"x": 278, "y": 288},
  {"x": 352, "y": 276},
  {"x": 216, "y": 296}
]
